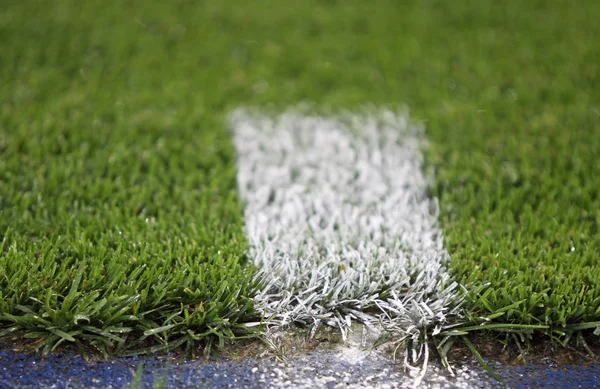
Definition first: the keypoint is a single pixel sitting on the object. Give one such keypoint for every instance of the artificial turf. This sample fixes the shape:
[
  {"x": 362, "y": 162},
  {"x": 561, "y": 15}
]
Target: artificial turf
[
  {"x": 119, "y": 211},
  {"x": 118, "y": 205}
]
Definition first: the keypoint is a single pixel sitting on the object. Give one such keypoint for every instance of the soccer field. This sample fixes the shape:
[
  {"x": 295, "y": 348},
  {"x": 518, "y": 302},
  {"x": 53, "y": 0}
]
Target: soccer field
[{"x": 123, "y": 224}]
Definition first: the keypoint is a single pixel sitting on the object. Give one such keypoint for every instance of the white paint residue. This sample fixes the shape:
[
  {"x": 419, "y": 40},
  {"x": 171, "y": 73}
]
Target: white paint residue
[{"x": 339, "y": 221}]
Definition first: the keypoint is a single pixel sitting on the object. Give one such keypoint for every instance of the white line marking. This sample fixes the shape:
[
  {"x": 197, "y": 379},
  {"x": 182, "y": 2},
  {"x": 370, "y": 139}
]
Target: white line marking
[{"x": 339, "y": 221}]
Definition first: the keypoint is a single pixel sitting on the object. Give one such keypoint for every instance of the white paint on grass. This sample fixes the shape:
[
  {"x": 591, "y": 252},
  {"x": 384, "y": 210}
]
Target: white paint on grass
[{"x": 339, "y": 221}]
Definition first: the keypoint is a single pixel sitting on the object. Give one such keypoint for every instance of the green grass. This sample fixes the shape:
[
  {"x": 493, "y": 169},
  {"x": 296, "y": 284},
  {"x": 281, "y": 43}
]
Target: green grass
[
  {"x": 118, "y": 207},
  {"x": 117, "y": 189}
]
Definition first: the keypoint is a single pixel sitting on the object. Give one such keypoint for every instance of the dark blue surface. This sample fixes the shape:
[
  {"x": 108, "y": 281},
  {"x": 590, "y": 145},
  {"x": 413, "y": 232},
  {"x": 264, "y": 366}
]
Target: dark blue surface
[
  {"x": 59, "y": 371},
  {"x": 550, "y": 376}
]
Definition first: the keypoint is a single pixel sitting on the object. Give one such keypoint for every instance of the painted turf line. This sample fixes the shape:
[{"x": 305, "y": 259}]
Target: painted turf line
[{"x": 339, "y": 221}]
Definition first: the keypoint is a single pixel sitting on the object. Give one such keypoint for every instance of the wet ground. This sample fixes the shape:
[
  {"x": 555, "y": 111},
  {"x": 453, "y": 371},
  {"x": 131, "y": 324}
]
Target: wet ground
[
  {"x": 339, "y": 368},
  {"x": 301, "y": 363},
  {"x": 550, "y": 376},
  {"x": 316, "y": 370}
]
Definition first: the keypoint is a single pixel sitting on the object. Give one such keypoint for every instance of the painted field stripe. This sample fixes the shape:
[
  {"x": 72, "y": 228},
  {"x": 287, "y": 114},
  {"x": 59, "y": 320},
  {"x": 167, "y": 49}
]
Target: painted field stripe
[{"x": 339, "y": 221}]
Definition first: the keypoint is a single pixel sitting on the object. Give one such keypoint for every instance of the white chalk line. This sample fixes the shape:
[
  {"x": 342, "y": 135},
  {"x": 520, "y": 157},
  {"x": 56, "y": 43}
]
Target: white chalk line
[{"x": 339, "y": 221}]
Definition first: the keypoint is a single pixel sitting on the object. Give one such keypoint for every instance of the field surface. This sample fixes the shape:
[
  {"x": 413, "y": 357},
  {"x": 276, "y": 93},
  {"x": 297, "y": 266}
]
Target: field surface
[{"x": 121, "y": 222}]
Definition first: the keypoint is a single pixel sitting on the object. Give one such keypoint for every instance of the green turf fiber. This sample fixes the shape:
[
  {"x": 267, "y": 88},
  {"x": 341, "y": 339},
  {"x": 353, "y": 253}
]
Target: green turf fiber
[
  {"x": 118, "y": 205},
  {"x": 111, "y": 114}
]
